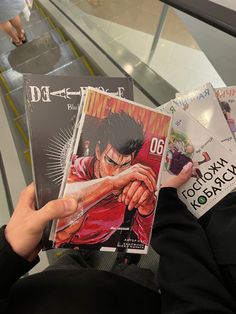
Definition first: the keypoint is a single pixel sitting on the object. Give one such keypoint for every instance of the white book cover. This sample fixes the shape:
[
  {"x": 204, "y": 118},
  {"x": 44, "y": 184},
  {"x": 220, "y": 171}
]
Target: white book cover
[
  {"x": 203, "y": 105},
  {"x": 227, "y": 99},
  {"x": 214, "y": 167}
]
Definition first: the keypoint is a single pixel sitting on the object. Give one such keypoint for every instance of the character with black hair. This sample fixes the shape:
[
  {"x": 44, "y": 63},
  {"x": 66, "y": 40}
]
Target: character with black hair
[{"x": 113, "y": 183}]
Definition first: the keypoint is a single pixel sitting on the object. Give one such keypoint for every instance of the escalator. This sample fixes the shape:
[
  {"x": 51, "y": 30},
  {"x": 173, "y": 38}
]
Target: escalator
[{"x": 48, "y": 51}]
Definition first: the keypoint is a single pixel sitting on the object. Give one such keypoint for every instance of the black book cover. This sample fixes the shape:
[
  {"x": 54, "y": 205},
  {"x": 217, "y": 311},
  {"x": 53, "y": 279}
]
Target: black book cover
[{"x": 52, "y": 104}]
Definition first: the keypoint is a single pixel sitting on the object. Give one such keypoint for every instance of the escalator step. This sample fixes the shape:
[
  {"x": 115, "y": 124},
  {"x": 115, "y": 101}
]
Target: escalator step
[
  {"x": 35, "y": 16},
  {"x": 37, "y": 46},
  {"x": 43, "y": 64},
  {"x": 74, "y": 68},
  {"x": 38, "y": 28},
  {"x": 21, "y": 125},
  {"x": 32, "y": 31},
  {"x": 16, "y": 98}
]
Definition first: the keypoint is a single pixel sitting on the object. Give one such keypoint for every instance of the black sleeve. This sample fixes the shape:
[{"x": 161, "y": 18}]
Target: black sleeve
[
  {"x": 189, "y": 277},
  {"x": 220, "y": 226},
  {"x": 12, "y": 267}
]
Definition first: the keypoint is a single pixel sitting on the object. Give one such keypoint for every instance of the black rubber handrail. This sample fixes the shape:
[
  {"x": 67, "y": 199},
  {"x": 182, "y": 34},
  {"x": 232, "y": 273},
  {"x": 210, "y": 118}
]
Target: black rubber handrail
[{"x": 209, "y": 12}]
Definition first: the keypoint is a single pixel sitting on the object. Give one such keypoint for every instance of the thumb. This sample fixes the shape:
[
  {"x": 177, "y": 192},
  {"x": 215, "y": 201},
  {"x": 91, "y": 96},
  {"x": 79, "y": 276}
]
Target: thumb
[
  {"x": 57, "y": 209},
  {"x": 188, "y": 167}
]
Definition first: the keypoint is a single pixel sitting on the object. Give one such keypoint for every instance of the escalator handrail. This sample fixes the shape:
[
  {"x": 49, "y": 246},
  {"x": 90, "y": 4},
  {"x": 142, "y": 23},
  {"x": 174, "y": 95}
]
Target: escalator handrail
[{"x": 209, "y": 12}]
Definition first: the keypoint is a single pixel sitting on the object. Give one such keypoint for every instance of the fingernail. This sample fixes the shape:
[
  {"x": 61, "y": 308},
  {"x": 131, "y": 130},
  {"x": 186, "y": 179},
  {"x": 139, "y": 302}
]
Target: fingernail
[
  {"x": 70, "y": 205},
  {"x": 188, "y": 166}
]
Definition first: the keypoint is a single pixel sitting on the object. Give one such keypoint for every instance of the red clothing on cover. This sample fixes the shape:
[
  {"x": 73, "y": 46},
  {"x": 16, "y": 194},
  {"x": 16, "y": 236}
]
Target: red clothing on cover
[{"x": 104, "y": 218}]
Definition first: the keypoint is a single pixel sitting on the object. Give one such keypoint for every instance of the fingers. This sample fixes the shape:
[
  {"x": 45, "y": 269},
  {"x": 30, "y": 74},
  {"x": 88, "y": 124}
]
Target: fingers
[
  {"x": 27, "y": 197},
  {"x": 145, "y": 196},
  {"x": 57, "y": 209},
  {"x": 186, "y": 172},
  {"x": 146, "y": 168},
  {"x": 145, "y": 174},
  {"x": 135, "y": 199},
  {"x": 181, "y": 178},
  {"x": 136, "y": 194},
  {"x": 137, "y": 172},
  {"x": 129, "y": 190}
]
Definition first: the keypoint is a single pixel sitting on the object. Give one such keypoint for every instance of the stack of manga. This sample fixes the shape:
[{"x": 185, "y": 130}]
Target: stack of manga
[
  {"x": 89, "y": 140},
  {"x": 114, "y": 173},
  {"x": 214, "y": 167},
  {"x": 203, "y": 105},
  {"x": 51, "y": 105}
]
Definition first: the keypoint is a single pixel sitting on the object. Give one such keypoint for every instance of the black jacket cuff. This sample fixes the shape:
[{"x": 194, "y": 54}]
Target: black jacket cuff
[{"x": 12, "y": 266}]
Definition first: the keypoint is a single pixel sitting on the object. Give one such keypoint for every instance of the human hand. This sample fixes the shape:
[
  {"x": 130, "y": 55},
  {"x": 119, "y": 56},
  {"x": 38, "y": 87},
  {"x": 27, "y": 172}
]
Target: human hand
[
  {"x": 178, "y": 180},
  {"x": 137, "y": 195},
  {"x": 137, "y": 172},
  {"x": 25, "y": 227}
]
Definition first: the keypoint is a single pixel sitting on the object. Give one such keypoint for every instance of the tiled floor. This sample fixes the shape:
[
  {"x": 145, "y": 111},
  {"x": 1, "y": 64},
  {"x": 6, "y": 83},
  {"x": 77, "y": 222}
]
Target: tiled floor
[
  {"x": 132, "y": 23},
  {"x": 138, "y": 15}
]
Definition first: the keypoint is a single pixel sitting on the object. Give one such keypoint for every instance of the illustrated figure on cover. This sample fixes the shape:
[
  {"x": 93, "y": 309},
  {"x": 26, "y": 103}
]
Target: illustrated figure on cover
[
  {"x": 116, "y": 187},
  {"x": 180, "y": 152},
  {"x": 227, "y": 113}
]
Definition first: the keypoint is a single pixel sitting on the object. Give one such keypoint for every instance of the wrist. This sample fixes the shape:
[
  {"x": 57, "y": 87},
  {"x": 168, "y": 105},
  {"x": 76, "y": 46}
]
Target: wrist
[
  {"x": 13, "y": 265},
  {"x": 112, "y": 184},
  {"x": 31, "y": 259},
  {"x": 19, "y": 247}
]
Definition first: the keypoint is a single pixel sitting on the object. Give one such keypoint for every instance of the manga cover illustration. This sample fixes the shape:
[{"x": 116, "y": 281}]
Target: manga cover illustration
[
  {"x": 114, "y": 175},
  {"x": 55, "y": 100},
  {"x": 202, "y": 103},
  {"x": 214, "y": 168},
  {"x": 225, "y": 106},
  {"x": 180, "y": 152},
  {"x": 227, "y": 100}
]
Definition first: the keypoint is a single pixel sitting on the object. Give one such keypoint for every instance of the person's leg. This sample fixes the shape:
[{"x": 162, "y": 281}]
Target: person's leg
[
  {"x": 9, "y": 29},
  {"x": 16, "y": 23}
]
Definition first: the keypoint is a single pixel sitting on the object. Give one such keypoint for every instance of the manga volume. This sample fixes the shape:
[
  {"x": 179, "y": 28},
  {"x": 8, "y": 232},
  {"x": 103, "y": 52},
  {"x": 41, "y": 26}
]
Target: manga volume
[
  {"x": 214, "y": 167},
  {"x": 227, "y": 99},
  {"x": 203, "y": 105},
  {"x": 114, "y": 173},
  {"x": 52, "y": 104}
]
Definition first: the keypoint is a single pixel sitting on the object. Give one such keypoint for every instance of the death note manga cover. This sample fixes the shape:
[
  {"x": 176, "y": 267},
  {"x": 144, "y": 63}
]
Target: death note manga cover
[
  {"x": 51, "y": 104},
  {"x": 114, "y": 174}
]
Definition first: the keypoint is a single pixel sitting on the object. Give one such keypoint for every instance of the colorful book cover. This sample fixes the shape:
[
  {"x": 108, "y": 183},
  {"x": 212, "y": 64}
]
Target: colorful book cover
[
  {"x": 203, "y": 105},
  {"x": 227, "y": 99},
  {"x": 52, "y": 104},
  {"x": 214, "y": 167},
  {"x": 114, "y": 175}
]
